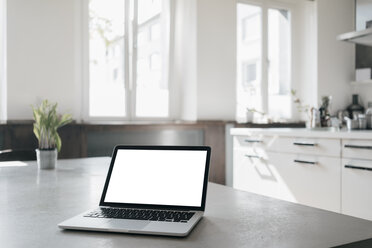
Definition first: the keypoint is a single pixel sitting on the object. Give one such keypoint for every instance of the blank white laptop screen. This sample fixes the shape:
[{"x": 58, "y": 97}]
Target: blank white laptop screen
[{"x": 157, "y": 177}]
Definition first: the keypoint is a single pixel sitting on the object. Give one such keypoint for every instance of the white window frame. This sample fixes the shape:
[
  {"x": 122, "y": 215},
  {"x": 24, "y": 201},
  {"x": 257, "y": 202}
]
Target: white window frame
[
  {"x": 130, "y": 59},
  {"x": 265, "y": 5}
]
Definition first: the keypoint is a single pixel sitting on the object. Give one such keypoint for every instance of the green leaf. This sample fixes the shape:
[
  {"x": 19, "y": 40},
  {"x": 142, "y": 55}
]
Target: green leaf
[
  {"x": 46, "y": 124},
  {"x": 58, "y": 141},
  {"x": 65, "y": 119}
]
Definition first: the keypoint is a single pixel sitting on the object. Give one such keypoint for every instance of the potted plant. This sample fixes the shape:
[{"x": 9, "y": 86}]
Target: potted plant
[
  {"x": 310, "y": 111},
  {"x": 250, "y": 114},
  {"x": 47, "y": 122}
]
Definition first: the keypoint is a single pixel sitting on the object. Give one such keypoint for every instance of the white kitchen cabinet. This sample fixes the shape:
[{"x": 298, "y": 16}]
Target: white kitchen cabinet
[
  {"x": 331, "y": 170},
  {"x": 309, "y": 179},
  {"x": 357, "y": 188},
  {"x": 304, "y": 179},
  {"x": 255, "y": 174}
]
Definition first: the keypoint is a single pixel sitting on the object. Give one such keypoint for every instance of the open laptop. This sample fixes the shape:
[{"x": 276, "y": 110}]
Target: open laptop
[{"x": 157, "y": 190}]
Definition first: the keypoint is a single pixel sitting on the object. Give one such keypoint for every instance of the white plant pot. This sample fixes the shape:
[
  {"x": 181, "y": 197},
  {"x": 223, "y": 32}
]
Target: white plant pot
[
  {"x": 249, "y": 115},
  {"x": 46, "y": 159}
]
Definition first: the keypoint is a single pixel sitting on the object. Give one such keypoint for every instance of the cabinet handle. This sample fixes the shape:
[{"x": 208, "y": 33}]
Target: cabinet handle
[
  {"x": 252, "y": 156},
  {"x": 358, "y": 147},
  {"x": 357, "y": 167},
  {"x": 252, "y": 141},
  {"x": 303, "y": 144},
  {"x": 304, "y": 162}
]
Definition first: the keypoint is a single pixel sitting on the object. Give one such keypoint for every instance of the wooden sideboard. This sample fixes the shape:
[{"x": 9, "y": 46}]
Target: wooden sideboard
[{"x": 90, "y": 140}]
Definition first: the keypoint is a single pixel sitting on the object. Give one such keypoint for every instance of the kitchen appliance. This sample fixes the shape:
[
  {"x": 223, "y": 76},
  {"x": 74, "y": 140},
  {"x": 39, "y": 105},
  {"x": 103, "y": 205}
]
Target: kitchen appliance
[{"x": 355, "y": 108}]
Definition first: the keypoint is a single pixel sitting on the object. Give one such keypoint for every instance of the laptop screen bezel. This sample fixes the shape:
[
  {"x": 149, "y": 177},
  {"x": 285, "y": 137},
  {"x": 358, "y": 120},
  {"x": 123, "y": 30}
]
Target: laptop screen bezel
[{"x": 154, "y": 206}]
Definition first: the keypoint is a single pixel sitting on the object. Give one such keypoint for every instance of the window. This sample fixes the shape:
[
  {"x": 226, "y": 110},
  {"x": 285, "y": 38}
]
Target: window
[
  {"x": 263, "y": 60},
  {"x": 128, "y": 54}
]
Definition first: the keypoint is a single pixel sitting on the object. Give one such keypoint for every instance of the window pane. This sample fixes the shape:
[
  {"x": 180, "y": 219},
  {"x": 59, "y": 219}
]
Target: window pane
[
  {"x": 148, "y": 9},
  {"x": 249, "y": 26},
  {"x": 152, "y": 95},
  {"x": 279, "y": 53},
  {"x": 106, "y": 58}
]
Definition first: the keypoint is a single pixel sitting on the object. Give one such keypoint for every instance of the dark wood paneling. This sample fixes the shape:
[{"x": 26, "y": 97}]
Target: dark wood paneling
[
  {"x": 72, "y": 140},
  {"x": 19, "y": 137},
  {"x": 214, "y": 137},
  {"x": 77, "y": 139}
]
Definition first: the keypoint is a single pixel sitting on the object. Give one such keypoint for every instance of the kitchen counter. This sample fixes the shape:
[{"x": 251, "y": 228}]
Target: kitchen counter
[
  {"x": 305, "y": 132},
  {"x": 34, "y": 201}
]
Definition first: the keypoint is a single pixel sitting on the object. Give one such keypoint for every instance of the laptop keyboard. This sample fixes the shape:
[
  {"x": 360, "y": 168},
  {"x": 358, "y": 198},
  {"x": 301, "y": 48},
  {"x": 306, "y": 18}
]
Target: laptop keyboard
[{"x": 141, "y": 214}]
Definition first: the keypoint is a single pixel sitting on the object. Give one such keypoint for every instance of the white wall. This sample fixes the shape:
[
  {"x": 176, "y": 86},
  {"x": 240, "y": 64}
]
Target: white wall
[
  {"x": 306, "y": 60},
  {"x": 3, "y": 85},
  {"x": 42, "y": 44},
  {"x": 216, "y": 51},
  {"x": 335, "y": 63}
]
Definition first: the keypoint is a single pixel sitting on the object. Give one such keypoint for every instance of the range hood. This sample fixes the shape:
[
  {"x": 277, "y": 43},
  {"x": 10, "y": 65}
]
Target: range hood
[{"x": 362, "y": 37}]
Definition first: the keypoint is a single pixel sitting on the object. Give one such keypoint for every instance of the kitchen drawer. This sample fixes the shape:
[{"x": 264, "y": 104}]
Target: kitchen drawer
[
  {"x": 358, "y": 149},
  {"x": 254, "y": 174},
  {"x": 357, "y": 188},
  {"x": 314, "y": 146},
  {"x": 310, "y": 180},
  {"x": 258, "y": 140}
]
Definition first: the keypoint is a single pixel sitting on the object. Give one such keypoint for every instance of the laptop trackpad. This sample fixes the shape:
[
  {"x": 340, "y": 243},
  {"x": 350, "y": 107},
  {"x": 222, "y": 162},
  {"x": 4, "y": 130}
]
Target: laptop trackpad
[{"x": 127, "y": 224}]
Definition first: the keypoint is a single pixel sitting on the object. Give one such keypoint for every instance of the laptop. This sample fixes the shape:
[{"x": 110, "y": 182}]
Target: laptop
[{"x": 158, "y": 190}]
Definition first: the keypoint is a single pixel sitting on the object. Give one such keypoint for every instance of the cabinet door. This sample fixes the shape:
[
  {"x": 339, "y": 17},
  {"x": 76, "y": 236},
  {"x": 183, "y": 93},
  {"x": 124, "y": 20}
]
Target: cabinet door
[
  {"x": 357, "y": 188},
  {"x": 354, "y": 148},
  {"x": 302, "y": 145},
  {"x": 309, "y": 180},
  {"x": 252, "y": 141},
  {"x": 255, "y": 174}
]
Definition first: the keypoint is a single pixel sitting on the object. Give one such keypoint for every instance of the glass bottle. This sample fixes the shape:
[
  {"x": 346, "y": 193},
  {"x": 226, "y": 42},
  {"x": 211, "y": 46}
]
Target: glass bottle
[{"x": 369, "y": 115}]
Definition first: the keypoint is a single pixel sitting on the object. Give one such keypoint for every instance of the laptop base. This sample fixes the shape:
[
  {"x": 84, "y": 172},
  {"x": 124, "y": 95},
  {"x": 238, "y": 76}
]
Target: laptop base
[{"x": 80, "y": 222}]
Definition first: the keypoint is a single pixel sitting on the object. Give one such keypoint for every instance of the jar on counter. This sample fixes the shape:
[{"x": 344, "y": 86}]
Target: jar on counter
[
  {"x": 362, "y": 121},
  {"x": 369, "y": 115}
]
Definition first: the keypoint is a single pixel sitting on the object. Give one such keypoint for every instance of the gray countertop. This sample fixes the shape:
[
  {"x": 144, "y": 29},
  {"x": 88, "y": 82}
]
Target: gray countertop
[
  {"x": 33, "y": 203},
  {"x": 331, "y": 133}
]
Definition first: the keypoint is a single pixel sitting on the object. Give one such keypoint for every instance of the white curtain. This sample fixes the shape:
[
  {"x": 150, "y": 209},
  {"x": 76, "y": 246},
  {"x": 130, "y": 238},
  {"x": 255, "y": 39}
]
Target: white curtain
[
  {"x": 3, "y": 61},
  {"x": 184, "y": 59}
]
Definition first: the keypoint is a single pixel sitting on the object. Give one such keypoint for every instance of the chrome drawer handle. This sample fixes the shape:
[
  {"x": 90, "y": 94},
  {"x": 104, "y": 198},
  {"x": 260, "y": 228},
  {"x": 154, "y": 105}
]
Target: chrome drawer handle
[
  {"x": 252, "y": 156},
  {"x": 358, "y": 147},
  {"x": 357, "y": 167},
  {"x": 252, "y": 141},
  {"x": 303, "y": 144},
  {"x": 304, "y": 162}
]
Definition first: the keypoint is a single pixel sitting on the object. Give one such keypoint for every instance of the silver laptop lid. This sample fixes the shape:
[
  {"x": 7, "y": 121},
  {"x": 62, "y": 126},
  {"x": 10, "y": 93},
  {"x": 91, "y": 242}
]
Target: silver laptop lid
[{"x": 164, "y": 177}]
